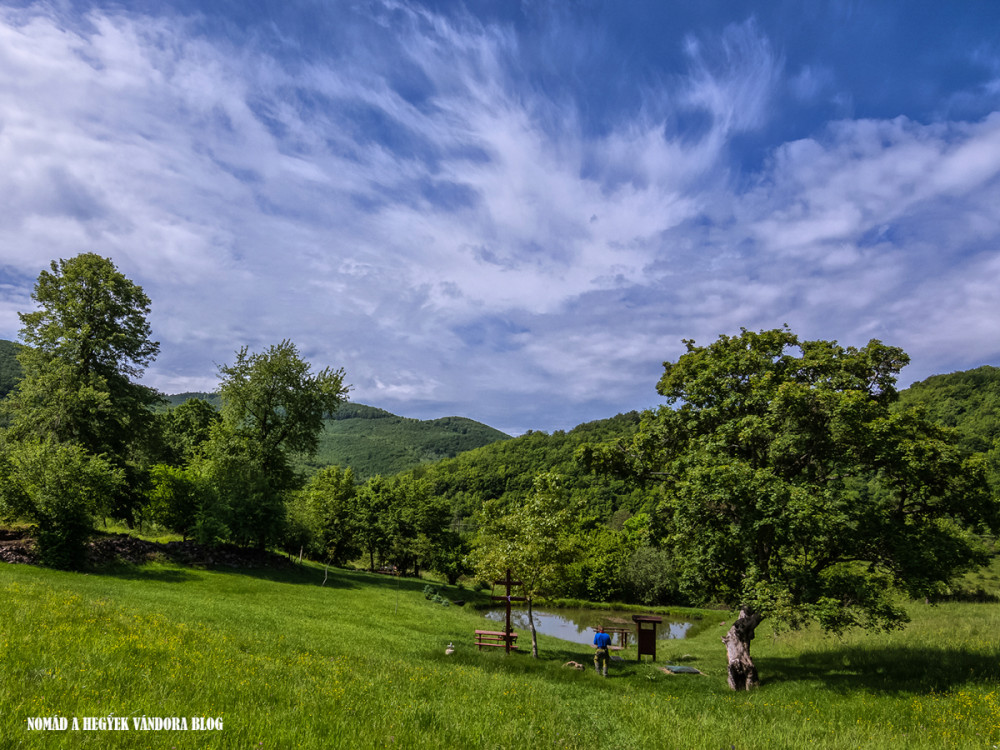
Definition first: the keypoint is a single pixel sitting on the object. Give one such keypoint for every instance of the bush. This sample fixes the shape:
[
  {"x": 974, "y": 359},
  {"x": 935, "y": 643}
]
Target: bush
[{"x": 59, "y": 486}]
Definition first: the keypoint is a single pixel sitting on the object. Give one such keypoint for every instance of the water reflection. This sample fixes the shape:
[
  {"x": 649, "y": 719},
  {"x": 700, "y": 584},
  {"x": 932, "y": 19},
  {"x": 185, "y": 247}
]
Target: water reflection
[{"x": 578, "y": 625}]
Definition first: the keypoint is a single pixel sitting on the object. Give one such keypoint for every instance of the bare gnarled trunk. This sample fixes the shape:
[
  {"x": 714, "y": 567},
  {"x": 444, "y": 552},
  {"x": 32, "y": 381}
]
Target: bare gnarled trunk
[{"x": 742, "y": 672}]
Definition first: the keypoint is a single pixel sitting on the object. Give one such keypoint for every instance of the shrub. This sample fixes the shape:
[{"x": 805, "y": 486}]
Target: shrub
[{"x": 59, "y": 486}]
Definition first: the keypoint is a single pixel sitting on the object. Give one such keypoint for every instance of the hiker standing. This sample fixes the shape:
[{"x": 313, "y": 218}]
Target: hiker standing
[{"x": 602, "y": 642}]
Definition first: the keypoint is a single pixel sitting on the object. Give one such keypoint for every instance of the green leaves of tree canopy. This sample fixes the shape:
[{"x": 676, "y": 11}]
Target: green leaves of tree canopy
[
  {"x": 89, "y": 337},
  {"x": 272, "y": 405},
  {"x": 60, "y": 486},
  {"x": 535, "y": 540},
  {"x": 275, "y": 400},
  {"x": 76, "y": 408},
  {"x": 321, "y": 517},
  {"x": 791, "y": 491}
]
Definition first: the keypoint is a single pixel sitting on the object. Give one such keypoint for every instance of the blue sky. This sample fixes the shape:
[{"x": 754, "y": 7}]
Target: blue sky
[{"x": 511, "y": 212}]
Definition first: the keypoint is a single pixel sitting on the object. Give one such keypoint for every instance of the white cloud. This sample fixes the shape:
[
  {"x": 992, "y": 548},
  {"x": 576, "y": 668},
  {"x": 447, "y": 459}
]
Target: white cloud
[{"x": 257, "y": 200}]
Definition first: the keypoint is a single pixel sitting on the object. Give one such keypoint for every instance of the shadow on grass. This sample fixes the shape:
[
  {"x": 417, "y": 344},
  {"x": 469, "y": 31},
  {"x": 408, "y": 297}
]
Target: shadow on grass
[
  {"x": 179, "y": 573},
  {"x": 896, "y": 669},
  {"x": 551, "y": 662},
  {"x": 297, "y": 575},
  {"x": 144, "y": 573},
  {"x": 304, "y": 574}
]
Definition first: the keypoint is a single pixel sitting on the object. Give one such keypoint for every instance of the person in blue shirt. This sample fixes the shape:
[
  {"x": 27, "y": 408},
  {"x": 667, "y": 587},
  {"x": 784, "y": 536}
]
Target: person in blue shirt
[{"x": 602, "y": 642}]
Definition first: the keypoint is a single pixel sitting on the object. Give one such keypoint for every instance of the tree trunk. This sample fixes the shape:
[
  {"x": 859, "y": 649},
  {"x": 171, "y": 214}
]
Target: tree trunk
[
  {"x": 742, "y": 672},
  {"x": 534, "y": 635}
]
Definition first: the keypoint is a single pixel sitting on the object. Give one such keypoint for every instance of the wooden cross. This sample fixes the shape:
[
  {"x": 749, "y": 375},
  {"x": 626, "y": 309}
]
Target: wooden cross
[{"x": 507, "y": 582}]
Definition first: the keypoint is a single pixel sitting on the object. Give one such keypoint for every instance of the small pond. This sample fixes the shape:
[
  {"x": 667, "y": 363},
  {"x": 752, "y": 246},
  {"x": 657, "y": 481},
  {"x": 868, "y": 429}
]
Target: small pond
[{"x": 578, "y": 625}]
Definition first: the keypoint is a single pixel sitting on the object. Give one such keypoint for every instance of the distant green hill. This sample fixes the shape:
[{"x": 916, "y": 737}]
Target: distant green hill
[
  {"x": 969, "y": 401},
  {"x": 373, "y": 441}
]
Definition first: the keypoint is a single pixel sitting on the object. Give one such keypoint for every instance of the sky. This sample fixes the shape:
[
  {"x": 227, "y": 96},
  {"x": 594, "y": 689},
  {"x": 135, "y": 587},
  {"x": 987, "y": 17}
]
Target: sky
[{"x": 510, "y": 212}]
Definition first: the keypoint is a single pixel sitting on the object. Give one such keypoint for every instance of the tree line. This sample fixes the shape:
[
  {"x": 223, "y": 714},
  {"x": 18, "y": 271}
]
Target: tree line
[{"x": 81, "y": 438}]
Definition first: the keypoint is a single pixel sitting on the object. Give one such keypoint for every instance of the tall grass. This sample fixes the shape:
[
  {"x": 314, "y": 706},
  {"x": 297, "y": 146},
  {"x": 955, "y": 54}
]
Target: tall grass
[{"x": 360, "y": 662}]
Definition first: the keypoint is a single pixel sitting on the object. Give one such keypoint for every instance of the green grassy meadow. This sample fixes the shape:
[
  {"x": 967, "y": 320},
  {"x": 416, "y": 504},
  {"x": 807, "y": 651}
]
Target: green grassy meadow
[{"x": 360, "y": 663}]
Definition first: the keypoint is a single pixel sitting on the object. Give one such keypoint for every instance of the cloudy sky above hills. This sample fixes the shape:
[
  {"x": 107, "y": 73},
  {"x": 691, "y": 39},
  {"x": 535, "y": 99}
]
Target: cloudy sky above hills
[{"x": 511, "y": 212}]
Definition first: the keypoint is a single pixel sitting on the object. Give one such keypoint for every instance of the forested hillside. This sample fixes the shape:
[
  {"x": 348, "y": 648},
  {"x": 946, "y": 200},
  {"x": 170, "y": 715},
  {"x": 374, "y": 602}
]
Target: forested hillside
[
  {"x": 372, "y": 441},
  {"x": 969, "y": 401},
  {"x": 505, "y": 470}
]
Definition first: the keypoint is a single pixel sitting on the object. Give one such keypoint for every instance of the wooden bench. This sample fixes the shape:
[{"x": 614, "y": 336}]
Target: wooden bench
[
  {"x": 622, "y": 633},
  {"x": 494, "y": 638}
]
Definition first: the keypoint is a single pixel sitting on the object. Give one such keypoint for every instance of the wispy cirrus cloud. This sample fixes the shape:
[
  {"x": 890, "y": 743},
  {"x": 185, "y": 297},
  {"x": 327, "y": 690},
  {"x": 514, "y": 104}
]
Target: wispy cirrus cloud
[{"x": 407, "y": 199}]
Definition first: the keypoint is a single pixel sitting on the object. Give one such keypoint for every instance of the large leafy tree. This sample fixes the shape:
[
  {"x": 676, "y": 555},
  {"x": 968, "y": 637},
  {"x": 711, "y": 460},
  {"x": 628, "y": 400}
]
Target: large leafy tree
[
  {"x": 792, "y": 491},
  {"x": 86, "y": 343},
  {"x": 274, "y": 399},
  {"x": 273, "y": 406}
]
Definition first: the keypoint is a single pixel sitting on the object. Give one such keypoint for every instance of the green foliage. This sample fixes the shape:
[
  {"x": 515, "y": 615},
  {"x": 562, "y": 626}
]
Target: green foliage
[
  {"x": 251, "y": 488},
  {"x": 967, "y": 401},
  {"x": 650, "y": 577},
  {"x": 450, "y": 556},
  {"x": 89, "y": 337},
  {"x": 272, "y": 406},
  {"x": 321, "y": 517},
  {"x": 91, "y": 315},
  {"x": 214, "y": 399},
  {"x": 183, "y": 501},
  {"x": 503, "y": 473},
  {"x": 433, "y": 594},
  {"x": 10, "y": 368},
  {"x": 185, "y": 428},
  {"x": 534, "y": 540},
  {"x": 623, "y": 565},
  {"x": 398, "y": 521},
  {"x": 60, "y": 487},
  {"x": 86, "y": 341},
  {"x": 792, "y": 491},
  {"x": 275, "y": 400}
]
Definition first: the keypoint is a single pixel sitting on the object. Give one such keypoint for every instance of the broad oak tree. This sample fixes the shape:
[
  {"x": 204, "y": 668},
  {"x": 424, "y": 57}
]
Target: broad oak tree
[{"x": 791, "y": 490}]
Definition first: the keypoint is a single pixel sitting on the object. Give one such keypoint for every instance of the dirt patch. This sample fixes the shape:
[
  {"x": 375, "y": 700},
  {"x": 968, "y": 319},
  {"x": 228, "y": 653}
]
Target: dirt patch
[{"x": 18, "y": 551}]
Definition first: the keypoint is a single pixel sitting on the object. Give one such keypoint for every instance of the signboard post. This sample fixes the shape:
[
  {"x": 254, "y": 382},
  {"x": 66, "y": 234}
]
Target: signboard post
[{"x": 645, "y": 631}]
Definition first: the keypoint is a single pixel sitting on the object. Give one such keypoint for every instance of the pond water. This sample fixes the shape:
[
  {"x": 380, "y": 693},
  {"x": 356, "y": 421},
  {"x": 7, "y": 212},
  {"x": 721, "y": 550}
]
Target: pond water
[{"x": 578, "y": 625}]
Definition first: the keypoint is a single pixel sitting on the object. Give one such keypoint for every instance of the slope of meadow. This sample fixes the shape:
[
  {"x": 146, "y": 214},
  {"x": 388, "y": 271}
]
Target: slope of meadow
[{"x": 360, "y": 663}]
